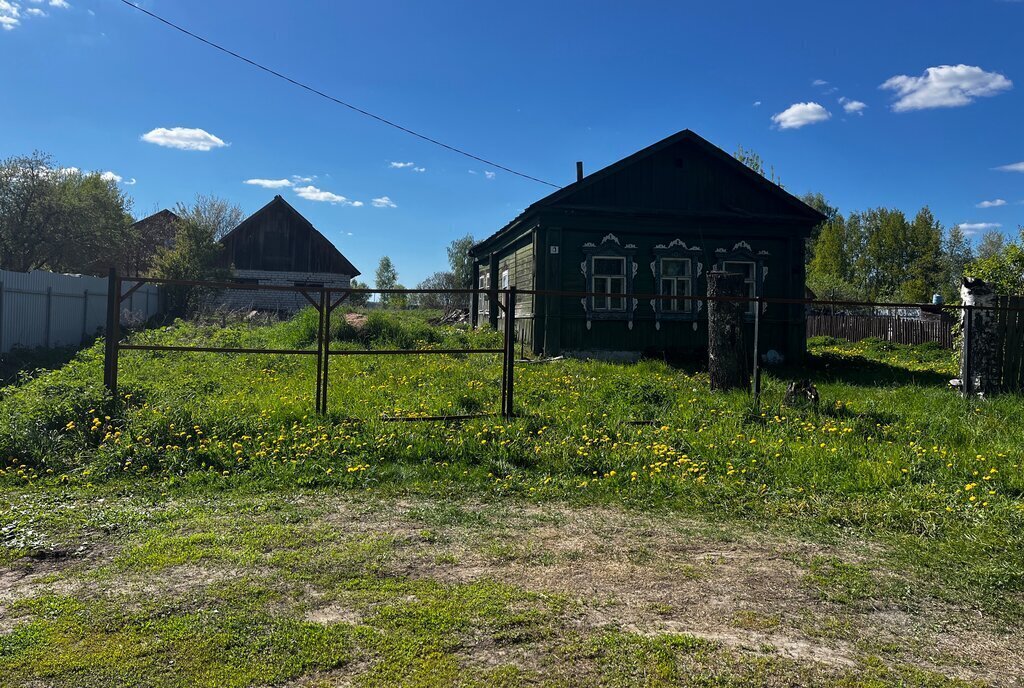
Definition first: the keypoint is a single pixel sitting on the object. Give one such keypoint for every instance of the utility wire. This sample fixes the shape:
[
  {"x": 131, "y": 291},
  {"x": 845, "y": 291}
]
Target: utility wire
[{"x": 331, "y": 98}]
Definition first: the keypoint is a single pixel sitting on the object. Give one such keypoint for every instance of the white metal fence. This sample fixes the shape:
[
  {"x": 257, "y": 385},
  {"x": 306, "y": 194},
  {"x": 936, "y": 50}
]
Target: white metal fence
[{"x": 48, "y": 309}]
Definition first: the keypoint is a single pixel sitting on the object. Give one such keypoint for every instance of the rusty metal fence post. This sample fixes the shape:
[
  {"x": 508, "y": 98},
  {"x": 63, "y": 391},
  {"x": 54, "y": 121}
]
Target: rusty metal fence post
[
  {"x": 759, "y": 303},
  {"x": 112, "y": 334},
  {"x": 321, "y": 311},
  {"x": 508, "y": 368}
]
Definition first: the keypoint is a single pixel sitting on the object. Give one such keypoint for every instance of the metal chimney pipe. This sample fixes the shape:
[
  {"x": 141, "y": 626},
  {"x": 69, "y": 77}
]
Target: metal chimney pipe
[{"x": 579, "y": 170}]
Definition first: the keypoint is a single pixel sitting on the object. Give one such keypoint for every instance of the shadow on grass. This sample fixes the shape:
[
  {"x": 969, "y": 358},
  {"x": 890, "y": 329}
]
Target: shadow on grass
[
  {"x": 20, "y": 363},
  {"x": 863, "y": 372}
]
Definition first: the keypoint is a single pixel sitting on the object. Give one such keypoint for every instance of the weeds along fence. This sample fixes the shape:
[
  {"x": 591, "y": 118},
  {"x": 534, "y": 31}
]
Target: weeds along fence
[
  {"x": 325, "y": 300},
  {"x": 897, "y": 329},
  {"x": 48, "y": 309}
]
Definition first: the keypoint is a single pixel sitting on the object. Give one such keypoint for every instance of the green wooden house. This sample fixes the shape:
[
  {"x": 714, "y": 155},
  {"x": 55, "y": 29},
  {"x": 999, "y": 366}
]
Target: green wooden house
[{"x": 653, "y": 223}]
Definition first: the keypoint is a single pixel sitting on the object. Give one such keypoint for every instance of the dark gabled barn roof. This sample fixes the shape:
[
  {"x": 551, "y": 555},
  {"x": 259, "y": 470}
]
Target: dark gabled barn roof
[
  {"x": 788, "y": 207},
  {"x": 308, "y": 250},
  {"x": 160, "y": 218}
]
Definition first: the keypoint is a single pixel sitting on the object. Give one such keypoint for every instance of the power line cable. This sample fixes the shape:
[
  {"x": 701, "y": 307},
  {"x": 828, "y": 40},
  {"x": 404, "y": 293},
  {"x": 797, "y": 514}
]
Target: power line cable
[{"x": 331, "y": 98}]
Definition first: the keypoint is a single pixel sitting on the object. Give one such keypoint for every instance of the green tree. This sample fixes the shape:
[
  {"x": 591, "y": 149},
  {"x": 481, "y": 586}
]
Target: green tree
[
  {"x": 60, "y": 219},
  {"x": 751, "y": 159},
  {"x": 358, "y": 300},
  {"x": 386, "y": 278},
  {"x": 460, "y": 262},
  {"x": 991, "y": 244},
  {"x": 957, "y": 255},
  {"x": 1003, "y": 269},
  {"x": 195, "y": 254},
  {"x": 446, "y": 302},
  {"x": 924, "y": 258}
]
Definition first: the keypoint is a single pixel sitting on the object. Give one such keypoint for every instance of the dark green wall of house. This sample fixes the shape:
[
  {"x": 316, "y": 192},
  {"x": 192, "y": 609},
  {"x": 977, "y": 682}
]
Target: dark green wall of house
[{"x": 782, "y": 326}]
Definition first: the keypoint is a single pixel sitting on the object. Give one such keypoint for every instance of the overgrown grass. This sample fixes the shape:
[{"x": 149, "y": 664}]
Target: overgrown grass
[{"x": 892, "y": 453}]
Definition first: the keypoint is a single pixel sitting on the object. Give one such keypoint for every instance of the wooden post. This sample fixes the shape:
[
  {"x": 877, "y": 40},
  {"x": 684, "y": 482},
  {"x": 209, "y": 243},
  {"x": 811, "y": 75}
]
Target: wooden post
[
  {"x": 492, "y": 273},
  {"x": 112, "y": 334},
  {"x": 727, "y": 362},
  {"x": 757, "y": 350}
]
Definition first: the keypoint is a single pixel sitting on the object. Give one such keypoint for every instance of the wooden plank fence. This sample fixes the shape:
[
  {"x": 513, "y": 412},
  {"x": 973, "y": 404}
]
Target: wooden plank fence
[
  {"x": 895, "y": 329},
  {"x": 1011, "y": 344}
]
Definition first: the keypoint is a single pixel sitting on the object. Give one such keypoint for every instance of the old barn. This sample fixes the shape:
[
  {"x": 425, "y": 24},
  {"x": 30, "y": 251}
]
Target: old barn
[
  {"x": 653, "y": 223},
  {"x": 277, "y": 245}
]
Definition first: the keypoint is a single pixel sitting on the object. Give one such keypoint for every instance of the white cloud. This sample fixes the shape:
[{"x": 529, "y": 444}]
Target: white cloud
[
  {"x": 800, "y": 115},
  {"x": 489, "y": 174},
  {"x": 60, "y": 3},
  {"x": 945, "y": 86},
  {"x": 1015, "y": 167},
  {"x": 757, "y": 103},
  {"x": 356, "y": 204},
  {"x": 400, "y": 165},
  {"x": 472, "y": 171},
  {"x": 975, "y": 227},
  {"x": 111, "y": 177},
  {"x": 419, "y": 169},
  {"x": 183, "y": 138},
  {"x": 35, "y": 12},
  {"x": 311, "y": 193},
  {"x": 302, "y": 180},
  {"x": 9, "y": 13},
  {"x": 852, "y": 107},
  {"x": 991, "y": 204},
  {"x": 269, "y": 183},
  {"x": 383, "y": 202},
  {"x": 131, "y": 182},
  {"x": 819, "y": 82}
]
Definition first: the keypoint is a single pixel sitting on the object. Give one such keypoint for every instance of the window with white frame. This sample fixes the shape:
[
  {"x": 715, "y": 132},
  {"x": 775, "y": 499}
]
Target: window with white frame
[
  {"x": 483, "y": 301},
  {"x": 748, "y": 269},
  {"x": 608, "y": 281},
  {"x": 676, "y": 280},
  {"x": 504, "y": 278}
]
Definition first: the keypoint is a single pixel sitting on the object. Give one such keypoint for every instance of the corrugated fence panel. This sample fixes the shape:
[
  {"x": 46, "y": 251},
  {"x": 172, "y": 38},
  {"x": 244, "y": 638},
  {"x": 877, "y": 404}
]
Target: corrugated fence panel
[{"x": 48, "y": 309}]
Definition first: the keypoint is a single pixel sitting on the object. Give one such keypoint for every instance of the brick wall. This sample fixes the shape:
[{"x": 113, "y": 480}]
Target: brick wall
[{"x": 289, "y": 302}]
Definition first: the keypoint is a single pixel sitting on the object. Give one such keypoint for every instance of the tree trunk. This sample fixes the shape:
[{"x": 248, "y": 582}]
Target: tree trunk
[
  {"x": 727, "y": 357},
  {"x": 979, "y": 353}
]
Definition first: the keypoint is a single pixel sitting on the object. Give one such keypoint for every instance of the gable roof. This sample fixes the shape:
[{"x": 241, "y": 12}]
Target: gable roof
[
  {"x": 278, "y": 203},
  {"x": 160, "y": 216},
  {"x": 800, "y": 210}
]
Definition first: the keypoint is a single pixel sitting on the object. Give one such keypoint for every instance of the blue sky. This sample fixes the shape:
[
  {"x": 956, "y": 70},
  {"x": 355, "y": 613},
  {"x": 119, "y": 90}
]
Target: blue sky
[{"x": 531, "y": 85}]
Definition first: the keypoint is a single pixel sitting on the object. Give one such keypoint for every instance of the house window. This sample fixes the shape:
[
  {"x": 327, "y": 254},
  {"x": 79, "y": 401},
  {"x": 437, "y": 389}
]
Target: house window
[
  {"x": 504, "y": 278},
  {"x": 608, "y": 278},
  {"x": 748, "y": 269},
  {"x": 676, "y": 281},
  {"x": 483, "y": 301}
]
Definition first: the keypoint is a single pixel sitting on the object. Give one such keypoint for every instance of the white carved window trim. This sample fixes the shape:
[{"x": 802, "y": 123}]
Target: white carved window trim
[
  {"x": 609, "y": 247},
  {"x": 484, "y": 300},
  {"x": 504, "y": 279}
]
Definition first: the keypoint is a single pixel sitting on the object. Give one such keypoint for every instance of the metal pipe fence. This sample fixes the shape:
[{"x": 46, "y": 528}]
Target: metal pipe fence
[{"x": 320, "y": 298}]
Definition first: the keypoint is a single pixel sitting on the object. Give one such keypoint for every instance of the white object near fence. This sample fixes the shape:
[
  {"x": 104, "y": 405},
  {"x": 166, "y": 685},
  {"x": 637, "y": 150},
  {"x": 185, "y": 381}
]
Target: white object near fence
[{"x": 48, "y": 309}]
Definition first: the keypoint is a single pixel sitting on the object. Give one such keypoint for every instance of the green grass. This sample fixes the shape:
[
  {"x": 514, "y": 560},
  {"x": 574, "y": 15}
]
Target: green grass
[{"x": 931, "y": 484}]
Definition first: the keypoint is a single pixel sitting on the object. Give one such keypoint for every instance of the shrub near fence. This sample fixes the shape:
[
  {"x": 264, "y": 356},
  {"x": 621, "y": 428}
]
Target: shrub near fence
[
  {"x": 887, "y": 328},
  {"x": 48, "y": 309}
]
